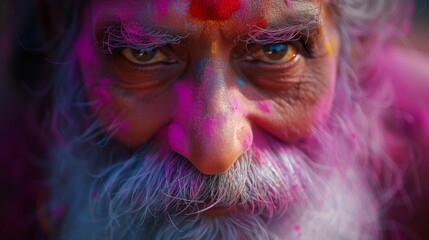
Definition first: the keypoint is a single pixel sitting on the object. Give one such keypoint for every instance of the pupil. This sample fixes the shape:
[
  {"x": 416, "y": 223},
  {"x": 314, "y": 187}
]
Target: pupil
[
  {"x": 143, "y": 55},
  {"x": 275, "y": 51}
]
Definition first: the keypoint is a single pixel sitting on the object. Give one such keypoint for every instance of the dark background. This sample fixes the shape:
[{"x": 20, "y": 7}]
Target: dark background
[
  {"x": 421, "y": 11},
  {"x": 419, "y": 34}
]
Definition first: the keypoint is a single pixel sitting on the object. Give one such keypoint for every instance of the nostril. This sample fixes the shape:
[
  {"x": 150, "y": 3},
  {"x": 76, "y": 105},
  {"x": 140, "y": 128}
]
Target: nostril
[
  {"x": 218, "y": 154},
  {"x": 213, "y": 143}
]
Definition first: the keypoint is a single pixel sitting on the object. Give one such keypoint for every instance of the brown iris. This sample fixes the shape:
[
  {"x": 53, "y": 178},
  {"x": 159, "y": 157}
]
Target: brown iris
[
  {"x": 146, "y": 56},
  {"x": 143, "y": 55},
  {"x": 275, "y": 51}
]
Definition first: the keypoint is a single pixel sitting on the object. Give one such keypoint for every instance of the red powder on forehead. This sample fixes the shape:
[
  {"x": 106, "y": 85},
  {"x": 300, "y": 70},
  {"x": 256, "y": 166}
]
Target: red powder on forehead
[
  {"x": 213, "y": 9},
  {"x": 261, "y": 22}
]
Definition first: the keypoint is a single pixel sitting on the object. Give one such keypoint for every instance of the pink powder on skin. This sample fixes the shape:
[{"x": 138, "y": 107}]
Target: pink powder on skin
[
  {"x": 162, "y": 6},
  {"x": 102, "y": 94},
  {"x": 104, "y": 102},
  {"x": 177, "y": 139},
  {"x": 263, "y": 106},
  {"x": 184, "y": 98},
  {"x": 247, "y": 141},
  {"x": 124, "y": 126},
  {"x": 209, "y": 126},
  {"x": 235, "y": 104},
  {"x": 296, "y": 228}
]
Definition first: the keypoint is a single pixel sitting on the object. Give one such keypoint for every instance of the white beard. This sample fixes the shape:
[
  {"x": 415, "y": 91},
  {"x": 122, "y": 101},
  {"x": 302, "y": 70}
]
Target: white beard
[{"x": 285, "y": 196}]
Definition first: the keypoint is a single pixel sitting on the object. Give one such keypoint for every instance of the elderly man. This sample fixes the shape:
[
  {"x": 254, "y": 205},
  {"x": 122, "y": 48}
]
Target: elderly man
[{"x": 232, "y": 120}]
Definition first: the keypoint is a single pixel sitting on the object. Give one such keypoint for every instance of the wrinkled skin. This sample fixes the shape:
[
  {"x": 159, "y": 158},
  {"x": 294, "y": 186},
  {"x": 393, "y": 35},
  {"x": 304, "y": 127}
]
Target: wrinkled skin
[{"x": 216, "y": 99}]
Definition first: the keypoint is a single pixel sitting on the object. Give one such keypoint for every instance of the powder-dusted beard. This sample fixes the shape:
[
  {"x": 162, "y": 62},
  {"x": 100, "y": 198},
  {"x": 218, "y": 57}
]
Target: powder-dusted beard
[{"x": 279, "y": 192}]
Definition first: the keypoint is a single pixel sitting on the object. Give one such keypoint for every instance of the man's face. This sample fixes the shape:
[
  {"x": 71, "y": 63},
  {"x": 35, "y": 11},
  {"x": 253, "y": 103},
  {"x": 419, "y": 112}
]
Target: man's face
[
  {"x": 223, "y": 105},
  {"x": 208, "y": 80}
]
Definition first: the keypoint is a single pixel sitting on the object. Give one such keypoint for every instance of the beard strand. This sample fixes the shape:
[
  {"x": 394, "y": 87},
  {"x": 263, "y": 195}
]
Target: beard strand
[
  {"x": 147, "y": 186},
  {"x": 153, "y": 194}
]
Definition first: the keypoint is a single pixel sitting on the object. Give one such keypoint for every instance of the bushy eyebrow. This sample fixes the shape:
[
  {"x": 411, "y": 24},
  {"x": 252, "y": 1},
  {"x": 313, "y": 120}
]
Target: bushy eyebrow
[
  {"x": 120, "y": 34},
  {"x": 263, "y": 36},
  {"x": 116, "y": 35},
  {"x": 302, "y": 25}
]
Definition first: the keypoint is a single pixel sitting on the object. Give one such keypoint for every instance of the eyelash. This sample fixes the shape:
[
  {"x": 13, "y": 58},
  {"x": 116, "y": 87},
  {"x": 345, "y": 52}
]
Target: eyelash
[
  {"x": 303, "y": 41},
  {"x": 304, "y": 47},
  {"x": 307, "y": 47}
]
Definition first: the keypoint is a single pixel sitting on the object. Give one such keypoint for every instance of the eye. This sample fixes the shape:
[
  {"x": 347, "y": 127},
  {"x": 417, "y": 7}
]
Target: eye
[
  {"x": 276, "y": 53},
  {"x": 146, "y": 56}
]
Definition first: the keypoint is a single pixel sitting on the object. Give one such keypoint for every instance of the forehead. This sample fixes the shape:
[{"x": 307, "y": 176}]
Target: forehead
[{"x": 186, "y": 16}]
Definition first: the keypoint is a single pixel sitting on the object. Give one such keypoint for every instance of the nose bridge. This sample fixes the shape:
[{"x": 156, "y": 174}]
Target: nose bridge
[
  {"x": 214, "y": 122},
  {"x": 214, "y": 146},
  {"x": 212, "y": 86},
  {"x": 216, "y": 133}
]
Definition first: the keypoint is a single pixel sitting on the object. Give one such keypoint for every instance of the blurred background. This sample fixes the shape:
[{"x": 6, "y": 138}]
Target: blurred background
[{"x": 419, "y": 32}]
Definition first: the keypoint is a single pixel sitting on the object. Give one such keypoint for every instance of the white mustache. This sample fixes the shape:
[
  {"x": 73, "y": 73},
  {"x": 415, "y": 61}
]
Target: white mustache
[
  {"x": 148, "y": 183},
  {"x": 276, "y": 184}
]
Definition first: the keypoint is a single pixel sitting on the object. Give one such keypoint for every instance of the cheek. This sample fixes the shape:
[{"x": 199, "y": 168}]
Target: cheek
[
  {"x": 140, "y": 118},
  {"x": 290, "y": 115},
  {"x": 324, "y": 105},
  {"x": 130, "y": 117},
  {"x": 288, "y": 121},
  {"x": 100, "y": 95}
]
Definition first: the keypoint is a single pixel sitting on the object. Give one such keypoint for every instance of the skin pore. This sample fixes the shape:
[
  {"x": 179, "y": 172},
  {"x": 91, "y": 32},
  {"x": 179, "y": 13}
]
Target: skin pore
[{"x": 208, "y": 89}]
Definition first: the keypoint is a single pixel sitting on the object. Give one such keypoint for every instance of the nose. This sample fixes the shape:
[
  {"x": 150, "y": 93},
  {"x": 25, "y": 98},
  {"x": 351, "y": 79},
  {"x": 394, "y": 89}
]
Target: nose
[{"x": 210, "y": 128}]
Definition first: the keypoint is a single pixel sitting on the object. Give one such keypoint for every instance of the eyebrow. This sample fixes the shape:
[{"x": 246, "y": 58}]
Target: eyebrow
[
  {"x": 259, "y": 35},
  {"x": 116, "y": 35},
  {"x": 294, "y": 26}
]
